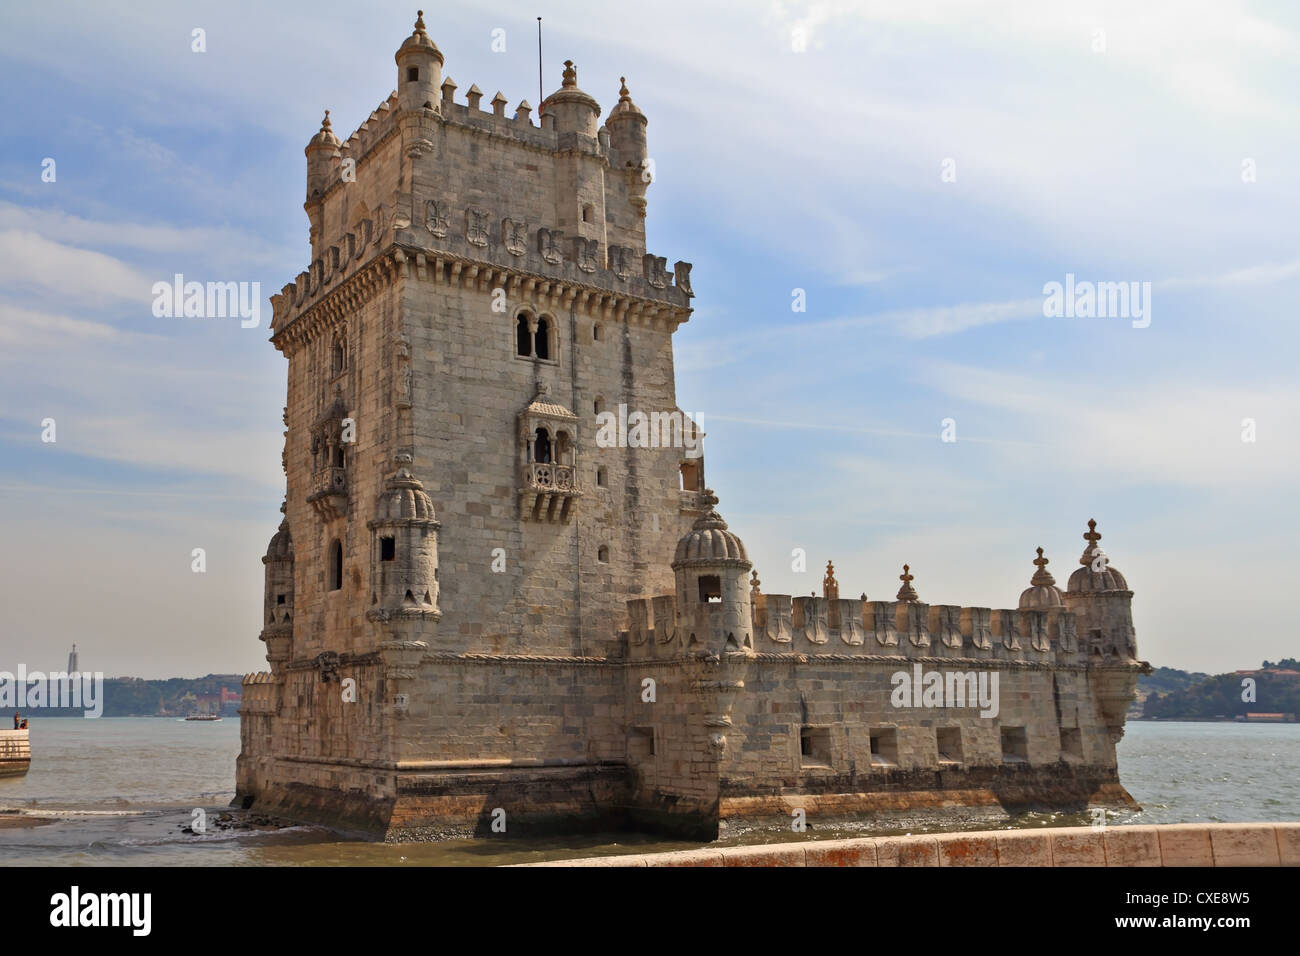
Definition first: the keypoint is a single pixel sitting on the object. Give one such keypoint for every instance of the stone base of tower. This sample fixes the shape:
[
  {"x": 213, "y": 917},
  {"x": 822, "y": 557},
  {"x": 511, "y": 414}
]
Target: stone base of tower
[
  {"x": 924, "y": 798},
  {"x": 399, "y": 807}
]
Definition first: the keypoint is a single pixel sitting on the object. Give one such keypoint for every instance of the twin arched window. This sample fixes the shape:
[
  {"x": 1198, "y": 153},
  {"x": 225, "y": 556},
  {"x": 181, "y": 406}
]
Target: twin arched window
[{"x": 533, "y": 340}]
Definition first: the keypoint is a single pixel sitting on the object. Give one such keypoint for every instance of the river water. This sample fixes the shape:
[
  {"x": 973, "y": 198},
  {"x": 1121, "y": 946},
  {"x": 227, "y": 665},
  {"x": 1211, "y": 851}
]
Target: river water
[{"x": 119, "y": 791}]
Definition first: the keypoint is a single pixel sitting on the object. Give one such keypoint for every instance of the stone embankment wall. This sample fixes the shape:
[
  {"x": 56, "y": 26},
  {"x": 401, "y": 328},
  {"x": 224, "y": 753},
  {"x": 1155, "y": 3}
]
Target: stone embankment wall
[{"x": 1179, "y": 844}]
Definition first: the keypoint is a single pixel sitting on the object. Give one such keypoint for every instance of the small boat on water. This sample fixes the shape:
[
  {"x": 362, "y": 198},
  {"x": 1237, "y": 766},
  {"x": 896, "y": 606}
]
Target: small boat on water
[
  {"x": 203, "y": 717},
  {"x": 15, "y": 753}
]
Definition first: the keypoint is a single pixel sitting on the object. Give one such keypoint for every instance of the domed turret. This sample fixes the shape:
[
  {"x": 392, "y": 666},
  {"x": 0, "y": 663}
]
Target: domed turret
[
  {"x": 1042, "y": 593},
  {"x": 574, "y": 111},
  {"x": 713, "y": 588},
  {"x": 419, "y": 70},
  {"x": 277, "y": 606},
  {"x": 1096, "y": 574},
  {"x": 626, "y": 125},
  {"x": 322, "y": 152},
  {"x": 403, "y": 552},
  {"x": 1102, "y": 602}
]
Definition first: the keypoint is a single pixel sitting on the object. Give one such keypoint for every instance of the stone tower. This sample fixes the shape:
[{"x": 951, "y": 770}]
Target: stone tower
[
  {"x": 501, "y": 598},
  {"x": 479, "y": 291}
]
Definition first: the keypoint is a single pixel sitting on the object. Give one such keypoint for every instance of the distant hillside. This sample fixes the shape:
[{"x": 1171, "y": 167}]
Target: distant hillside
[
  {"x": 135, "y": 697},
  {"x": 1183, "y": 696}
]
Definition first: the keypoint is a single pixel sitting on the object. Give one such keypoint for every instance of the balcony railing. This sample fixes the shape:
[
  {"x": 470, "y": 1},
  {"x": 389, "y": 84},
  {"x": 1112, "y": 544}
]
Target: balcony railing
[{"x": 546, "y": 476}]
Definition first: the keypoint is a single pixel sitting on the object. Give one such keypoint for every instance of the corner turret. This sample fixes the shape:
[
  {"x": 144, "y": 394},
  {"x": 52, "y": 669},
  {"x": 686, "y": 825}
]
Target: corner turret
[
  {"x": 713, "y": 588},
  {"x": 323, "y": 157},
  {"x": 627, "y": 137},
  {"x": 419, "y": 71},
  {"x": 277, "y": 605},
  {"x": 572, "y": 110},
  {"x": 404, "y": 555}
]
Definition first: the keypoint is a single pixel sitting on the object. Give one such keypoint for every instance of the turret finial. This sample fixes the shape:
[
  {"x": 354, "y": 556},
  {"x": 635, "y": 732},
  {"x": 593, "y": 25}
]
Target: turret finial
[
  {"x": 753, "y": 584},
  {"x": 1042, "y": 577},
  {"x": 570, "y": 74},
  {"x": 830, "y": 587},
  {"x": 325, "y": 123},
  {"x": 419, "y": 21},
  {"x": 907, "y": 592},
  {"x": 1092, "y": 536},
  {"x": 623, "y": 95}
]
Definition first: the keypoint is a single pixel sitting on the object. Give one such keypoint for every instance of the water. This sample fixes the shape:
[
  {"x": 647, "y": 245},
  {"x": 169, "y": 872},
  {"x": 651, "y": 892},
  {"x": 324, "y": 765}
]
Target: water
[{"x": 118, "y": 791}]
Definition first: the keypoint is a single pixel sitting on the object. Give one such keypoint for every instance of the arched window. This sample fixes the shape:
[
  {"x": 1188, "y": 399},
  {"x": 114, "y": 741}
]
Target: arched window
[
  {"x": 587, "y": 212},
  {"x": 602, "y": 554},
  {"x": 336, "y": 565},
  {"x": 598, "y": 405},
  {"x": 338, "y": 356},
  {"x": 542, "y": 447},
  {"x": 601, "y": 476},
  {"x": 595, "y": 333},
  {"x": 338, "y": 456},
  {"x": 523, "y": 338},
  {"x": 563, "y": 449},
  {"x": 542, "y": 340}
]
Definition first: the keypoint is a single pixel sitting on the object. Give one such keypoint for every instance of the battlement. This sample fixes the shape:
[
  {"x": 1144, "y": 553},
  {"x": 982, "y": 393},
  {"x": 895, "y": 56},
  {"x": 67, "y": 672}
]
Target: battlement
[
  {"x": 258, "y": 692},
  {"x": 817, "y": 625},
  {"x": 616, "y": 281}
]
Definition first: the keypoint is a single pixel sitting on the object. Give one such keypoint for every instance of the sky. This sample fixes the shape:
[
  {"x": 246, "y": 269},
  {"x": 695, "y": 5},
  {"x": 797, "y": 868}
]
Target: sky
[{"x": 914, "y": 174}]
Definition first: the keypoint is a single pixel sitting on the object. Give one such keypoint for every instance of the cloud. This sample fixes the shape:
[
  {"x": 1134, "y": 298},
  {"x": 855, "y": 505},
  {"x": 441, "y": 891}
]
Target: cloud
[{"x": 63, "y": 272}]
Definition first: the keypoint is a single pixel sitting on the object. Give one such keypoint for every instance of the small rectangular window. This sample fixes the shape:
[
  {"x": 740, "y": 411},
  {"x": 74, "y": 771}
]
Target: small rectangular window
[
  {"x": 949, "y": 744},
  {"x": 387, "y": 549},
  {"x": 1015, "y": 745},
  {"x": 279, "y": 599},
  {"x": 710, "y": 589},
  {"x": 884, "y": 747},
  {"x": 814, "y": 746}
]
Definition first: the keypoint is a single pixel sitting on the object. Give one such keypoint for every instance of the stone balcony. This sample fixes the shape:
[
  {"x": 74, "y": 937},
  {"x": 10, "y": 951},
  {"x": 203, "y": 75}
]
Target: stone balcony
[
  {"x": 329, "y": 492},
  {"x": 548, "y": 491}
]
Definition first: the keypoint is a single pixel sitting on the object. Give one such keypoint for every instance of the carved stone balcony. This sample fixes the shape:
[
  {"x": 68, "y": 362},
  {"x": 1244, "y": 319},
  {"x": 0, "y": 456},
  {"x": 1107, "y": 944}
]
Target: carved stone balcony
[
  {"x": 548, "y": 491},
  {"x": 329, "y": 492}
]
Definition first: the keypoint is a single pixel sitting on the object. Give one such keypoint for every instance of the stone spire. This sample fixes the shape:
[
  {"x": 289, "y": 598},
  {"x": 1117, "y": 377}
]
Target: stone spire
[
  {"x": 907, "y": 592},
  {"x": 830, "y": 587},
  {"x": 754, "y": 582}
]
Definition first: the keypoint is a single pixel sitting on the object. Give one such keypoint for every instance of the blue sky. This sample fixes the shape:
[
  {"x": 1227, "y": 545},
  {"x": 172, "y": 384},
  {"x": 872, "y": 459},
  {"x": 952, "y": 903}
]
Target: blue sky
[{"x": 1115, "y": 155}]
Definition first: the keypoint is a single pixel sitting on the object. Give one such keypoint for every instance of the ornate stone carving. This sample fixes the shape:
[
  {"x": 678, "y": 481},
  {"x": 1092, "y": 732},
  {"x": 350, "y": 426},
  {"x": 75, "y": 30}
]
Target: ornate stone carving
[
  {"x": 548, "y": 244},
  {"x": 655, "y": 269},
  {"x": 682, "y": 277},
  {"x": 514, "y": 234},
  {"x": 436, "y": 218},
  {"x": 587, "y": 252},
  {"x": 620, "y": 259},
  {"x": 476, "y": 226}
]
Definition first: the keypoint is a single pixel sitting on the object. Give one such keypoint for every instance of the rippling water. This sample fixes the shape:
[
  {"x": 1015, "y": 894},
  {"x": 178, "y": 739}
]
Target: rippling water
[{"x": 118, "y": 791}]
